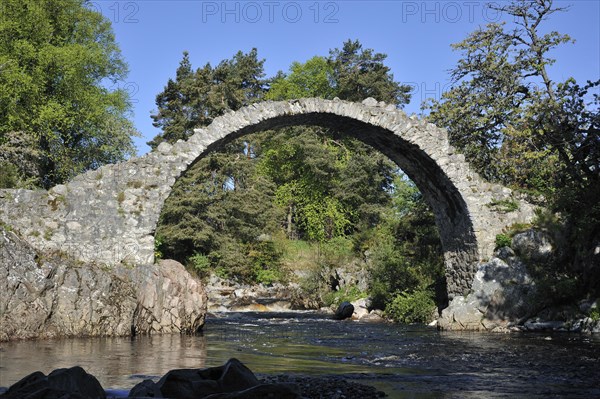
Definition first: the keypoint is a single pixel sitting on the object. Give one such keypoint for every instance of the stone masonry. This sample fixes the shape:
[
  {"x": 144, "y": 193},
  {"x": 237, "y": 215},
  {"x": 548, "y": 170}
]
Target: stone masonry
[{"x": 108, "y": 216}]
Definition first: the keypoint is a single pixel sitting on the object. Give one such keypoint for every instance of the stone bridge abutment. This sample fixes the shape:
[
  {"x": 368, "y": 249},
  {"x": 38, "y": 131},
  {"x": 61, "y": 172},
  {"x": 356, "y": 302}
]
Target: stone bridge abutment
[{"x": 109, "y": 215}]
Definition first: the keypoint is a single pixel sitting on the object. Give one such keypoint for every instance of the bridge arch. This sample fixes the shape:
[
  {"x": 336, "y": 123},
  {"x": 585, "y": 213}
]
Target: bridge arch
[{"x": 109, "y": 215}]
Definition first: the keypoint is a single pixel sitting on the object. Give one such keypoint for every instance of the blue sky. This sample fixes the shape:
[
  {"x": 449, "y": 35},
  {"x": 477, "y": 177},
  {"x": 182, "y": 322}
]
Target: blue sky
[{"x": 416, "y": 36}]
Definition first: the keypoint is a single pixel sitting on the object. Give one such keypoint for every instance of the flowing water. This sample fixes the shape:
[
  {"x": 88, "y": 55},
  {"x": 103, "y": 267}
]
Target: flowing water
[{"x": 404, "y": 361}]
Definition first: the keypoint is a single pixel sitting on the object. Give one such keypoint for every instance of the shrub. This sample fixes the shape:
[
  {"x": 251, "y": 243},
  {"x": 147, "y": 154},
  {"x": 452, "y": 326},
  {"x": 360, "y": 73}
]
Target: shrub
[
  {"x": 504, "y": 205},
  {"x": 502, "y": 240},
  {"x": 337, "y": 251},
  {"x": 351, "y": 293},
  {"x": 266, "y": 276},
  {"x": 265, "y": 258},
  {"x": 158, "y": 243},
  {"x": 9, "y": 178},
  {"x": 415, "y": 307},
  {"x": 595, "y": 314},
  {"x": 201, "y": 264},
  {"x": 391, "y": 272}
]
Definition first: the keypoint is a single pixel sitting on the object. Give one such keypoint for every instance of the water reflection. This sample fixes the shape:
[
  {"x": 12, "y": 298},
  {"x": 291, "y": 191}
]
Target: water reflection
[
  {"x": 116, "y": 362},
  {"x": 405, "y": 361}
]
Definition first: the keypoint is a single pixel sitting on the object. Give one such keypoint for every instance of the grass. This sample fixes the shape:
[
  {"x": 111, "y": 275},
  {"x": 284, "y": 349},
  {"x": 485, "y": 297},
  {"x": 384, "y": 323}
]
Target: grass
[{"x": 299, "y": 254}]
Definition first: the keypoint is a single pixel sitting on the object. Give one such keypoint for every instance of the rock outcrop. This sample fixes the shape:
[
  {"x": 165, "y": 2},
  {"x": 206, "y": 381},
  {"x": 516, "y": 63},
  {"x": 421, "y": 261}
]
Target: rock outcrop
[
  {"x": 504, "y": 297},
  {"x": 49, "y": 295},
  {"x": 230, "y": 296}
]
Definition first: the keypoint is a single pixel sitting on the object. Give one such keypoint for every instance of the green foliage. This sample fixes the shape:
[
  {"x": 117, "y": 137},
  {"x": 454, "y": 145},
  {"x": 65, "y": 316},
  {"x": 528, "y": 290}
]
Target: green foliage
[
  {"x": 158, "y": 243},
  {"x": 350, "y": 73},
  {"x": 360, "y": 73},
  {"x": 9, "y": 175},
  {"x": 519, "y": 126},
  {"x": 517, "y": 228},
  {"x": 405, "y": 250},
  {"x": 503, "y": 240},
  {"x": 195, "y": 98},
  {"x": 490, "y": 110},
  {"x": 554, "y": 289},
  {"x": 595, "y": 314},
  {"x": 350, "y": 294},
  {"x": 504, "y": 205},
  {"x": 311, "y": 79},
  {"x": 57, "y": 116},
  {"x": 327, "y": 186},
  {"x": 266, "y": 262},
  {"x": 337, "y": 251},
  {"x": 201, "y": 264},
  {"x": 415, "y": 307}
]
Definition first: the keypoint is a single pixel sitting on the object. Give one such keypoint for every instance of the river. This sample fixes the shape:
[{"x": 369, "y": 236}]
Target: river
[{"x": 404, "y": 361}]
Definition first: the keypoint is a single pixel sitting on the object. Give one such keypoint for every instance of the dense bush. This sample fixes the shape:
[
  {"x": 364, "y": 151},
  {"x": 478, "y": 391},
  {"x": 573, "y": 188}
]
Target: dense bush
[
  {"x": 201, "y": 264},
  {"x": 415, "y": 307},
  {"x": 349, "y": 294}
]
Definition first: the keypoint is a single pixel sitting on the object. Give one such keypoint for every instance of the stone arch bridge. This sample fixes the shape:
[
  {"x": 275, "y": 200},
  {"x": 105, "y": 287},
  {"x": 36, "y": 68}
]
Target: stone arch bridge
[{"x": 109, "y": 215}]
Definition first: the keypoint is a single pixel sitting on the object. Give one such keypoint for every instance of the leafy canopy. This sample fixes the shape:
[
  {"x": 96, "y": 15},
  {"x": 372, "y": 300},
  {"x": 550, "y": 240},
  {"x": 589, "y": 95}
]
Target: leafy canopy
[{"x": 58, "y": 116}]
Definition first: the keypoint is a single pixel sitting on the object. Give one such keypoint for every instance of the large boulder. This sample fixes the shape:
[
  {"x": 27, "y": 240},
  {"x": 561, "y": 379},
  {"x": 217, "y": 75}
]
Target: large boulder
[
  {"x": 193, "y": 383},
  {"x": 45, "y": 295},
  {"x": 502, "y": 295},
  {"x": 533, "y": 245},
  {"x": 344, "y": 311},
  {"x": 169, "y": 299},
  {"x": 361, "y": 308}
]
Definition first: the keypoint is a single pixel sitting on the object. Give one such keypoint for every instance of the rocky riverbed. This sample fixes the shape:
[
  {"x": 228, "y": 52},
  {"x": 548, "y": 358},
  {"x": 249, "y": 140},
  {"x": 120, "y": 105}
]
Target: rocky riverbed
[
  {"x": 229, "y": 296},
  {"x": 233, "y": 380}
]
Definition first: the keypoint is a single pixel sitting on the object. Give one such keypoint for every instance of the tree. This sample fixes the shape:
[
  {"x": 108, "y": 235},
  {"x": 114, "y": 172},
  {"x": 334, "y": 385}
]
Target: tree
[
  {"x": 57, "y": 58},
  {"x": 314, "y": 78},
  {"x": 177, "y": 115},
  {"x": 359, "y": 74},
  {"x": 328, "y": 184},
  {"x": 219, "y": 209},
  {"x": 194, "y": 99},
  {"x": 500, "y": 80},
  {"x": 518, "y": 126},
  {"x": 220, "y": 206}
]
